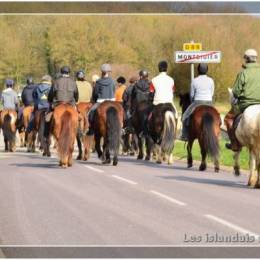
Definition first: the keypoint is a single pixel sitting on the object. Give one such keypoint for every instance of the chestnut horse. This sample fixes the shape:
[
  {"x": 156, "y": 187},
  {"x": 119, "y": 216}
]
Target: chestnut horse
[
  {"x": 83, "y": 109},
  {"x": 8, "y": 124},
  {"x": 64, "y": 128},
  {"x": 204, "y": 125},
  {"x": 30, "y": 138},
  {"x": 108, "y": 122}
]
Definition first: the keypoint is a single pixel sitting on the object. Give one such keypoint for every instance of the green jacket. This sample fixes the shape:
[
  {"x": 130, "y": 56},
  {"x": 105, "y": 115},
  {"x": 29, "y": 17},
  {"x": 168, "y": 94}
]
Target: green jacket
[{"x": 246, "y": 88}]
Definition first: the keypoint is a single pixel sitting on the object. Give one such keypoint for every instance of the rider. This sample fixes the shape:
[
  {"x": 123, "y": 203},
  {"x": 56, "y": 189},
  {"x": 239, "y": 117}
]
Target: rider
[
  {"x": 246, "y": 93},
  {"x": 201, "y": 93},
  {"x": 163, "y": 87},
  {"x": 120, "y": 90},
  {"x": 84, "y": 87},
  {"x": 27, "y": 93},
  {"x": 40, "y": 96},
  {"x": 104, "y": 90},
  {"x": 63, "y": 90},
  {"x": 9, "y": 98},
  {"x": 141, "y": 93}
]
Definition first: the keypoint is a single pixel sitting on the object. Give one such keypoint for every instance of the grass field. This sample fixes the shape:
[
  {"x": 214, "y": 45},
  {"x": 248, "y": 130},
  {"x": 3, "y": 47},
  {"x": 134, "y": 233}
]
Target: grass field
[{"x": 226, "y": 156}]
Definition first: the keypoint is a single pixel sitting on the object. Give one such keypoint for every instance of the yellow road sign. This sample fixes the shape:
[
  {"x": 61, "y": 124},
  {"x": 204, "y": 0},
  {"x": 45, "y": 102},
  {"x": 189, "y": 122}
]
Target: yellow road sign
[{"x": 196, "y": 46}]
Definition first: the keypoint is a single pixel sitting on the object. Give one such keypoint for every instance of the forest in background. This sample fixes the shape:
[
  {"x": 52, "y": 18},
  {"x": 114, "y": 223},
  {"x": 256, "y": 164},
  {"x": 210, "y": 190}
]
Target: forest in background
[{"x": 36, "y": 45}]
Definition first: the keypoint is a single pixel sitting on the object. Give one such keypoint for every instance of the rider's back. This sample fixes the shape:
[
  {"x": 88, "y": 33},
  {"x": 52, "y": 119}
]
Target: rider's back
[
  {"x": 41, "y": 96},
  {"x": 27, "y": 95},
  {"x": 247, "y": 90},
  {"x": 9, "y": 98},
  {"x": 202, "y": 88},
  {"x": 85, "y": 90},
  {"x": 141, "y": 91},
  {"x": 104, "y": 89},
  {"x": 64, "y": 89}
]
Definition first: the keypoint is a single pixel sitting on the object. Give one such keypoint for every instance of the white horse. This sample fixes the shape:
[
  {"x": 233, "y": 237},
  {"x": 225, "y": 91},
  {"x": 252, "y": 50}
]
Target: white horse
[{"x": 248, "y": 134}]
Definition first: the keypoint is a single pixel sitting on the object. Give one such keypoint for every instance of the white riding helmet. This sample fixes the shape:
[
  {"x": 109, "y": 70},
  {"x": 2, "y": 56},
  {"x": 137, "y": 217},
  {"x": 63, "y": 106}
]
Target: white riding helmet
[{"x": 250, "y": 53}]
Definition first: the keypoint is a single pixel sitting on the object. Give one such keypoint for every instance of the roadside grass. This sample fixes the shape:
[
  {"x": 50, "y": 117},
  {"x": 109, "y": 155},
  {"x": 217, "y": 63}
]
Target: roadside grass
[{"x": 226, "y": 156}]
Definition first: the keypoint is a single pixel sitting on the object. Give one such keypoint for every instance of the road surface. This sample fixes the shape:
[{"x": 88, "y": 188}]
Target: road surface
[{"x": 135, "y": 203}]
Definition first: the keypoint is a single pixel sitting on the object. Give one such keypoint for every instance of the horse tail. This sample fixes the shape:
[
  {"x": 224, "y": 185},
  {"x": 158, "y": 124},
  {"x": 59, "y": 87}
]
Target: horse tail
[
  {"x": 65, "y": 137},
  {"x": 168, "y": 134},
  {"x": 113, "y": 130},
  {"x": 208, "y": 136},
  {"x": 41, "y": 138},
  {"x": 8, "y": 131}
]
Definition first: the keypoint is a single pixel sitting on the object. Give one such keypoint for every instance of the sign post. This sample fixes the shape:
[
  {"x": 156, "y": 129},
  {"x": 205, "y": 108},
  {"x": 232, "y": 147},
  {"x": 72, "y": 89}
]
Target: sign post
[{"x": 192, "y": 53}]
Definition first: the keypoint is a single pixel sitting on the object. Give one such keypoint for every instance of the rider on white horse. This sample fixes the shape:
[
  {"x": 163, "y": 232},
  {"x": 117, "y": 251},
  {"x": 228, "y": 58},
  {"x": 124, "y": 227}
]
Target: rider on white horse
[{"x": 246, "y": 93}]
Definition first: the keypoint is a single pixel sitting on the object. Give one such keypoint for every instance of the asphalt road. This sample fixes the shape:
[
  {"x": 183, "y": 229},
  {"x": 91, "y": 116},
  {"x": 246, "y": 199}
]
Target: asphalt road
[{"x": 135, "y": 203}]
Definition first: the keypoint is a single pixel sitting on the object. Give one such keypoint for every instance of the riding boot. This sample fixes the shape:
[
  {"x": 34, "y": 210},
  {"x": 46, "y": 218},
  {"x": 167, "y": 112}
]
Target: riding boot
[
  {"x": 185, "y": 131},
  {"x": 234, "y": 144}
]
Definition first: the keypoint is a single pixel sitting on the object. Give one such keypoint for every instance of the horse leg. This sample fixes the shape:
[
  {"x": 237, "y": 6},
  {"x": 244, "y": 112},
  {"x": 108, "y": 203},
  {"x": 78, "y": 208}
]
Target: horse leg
[
  {"x": 203, "y": 165},
  {"x": 79, "y": 147},
  {"x": 253, "y": 177},
  {"x": 140, "y": 145},
  {"x": 159, "y": 154},
  {"x": 236, "y": 157},
  {"x": 189, "y": 149},
  {"x": 149, "y": 145},
  {"x": 170, "y": 158},
  {"x": 6, "y": 144},
  {"x": 97, "y": 146}
]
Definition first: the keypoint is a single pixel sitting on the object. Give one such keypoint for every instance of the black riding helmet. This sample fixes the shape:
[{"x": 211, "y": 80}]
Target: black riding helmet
[
  {"x": 29, "y": 80},
  {"x": 162, "y": 66},
  {"x": 121, "y": 80},
  {"x": 143, "y": 73},
  {"x": 202, "y": 69},
  {"x": 65, "y": 70},
  {"x": 80, "y": 75}
]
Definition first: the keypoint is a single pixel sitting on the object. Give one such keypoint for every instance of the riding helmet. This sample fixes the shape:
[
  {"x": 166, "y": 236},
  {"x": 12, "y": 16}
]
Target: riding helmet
[
  {"x": 143, "y": 73},
  {"x": 163, "y": 66},
  {"x": 80, "y": 75},
  {"x": 105, "y": 68},
  {"x": 29, "y": 80},
  {"x": 121, "y": 80},
  {"x": 202, "y": 68},
  {"x": 9, "y": 82},
  {"x": 65, "y": 70}
]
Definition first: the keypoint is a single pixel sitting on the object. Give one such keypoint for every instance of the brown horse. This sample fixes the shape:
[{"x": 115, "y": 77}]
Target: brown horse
[
  {"x": 108, "y": 122},
  {"x": 64, "y": 128},
  {"x": 30, "y": 137},
  {"x": 83, "y": 109},
  {"x": 8, "y": 124},
  {"x": 205, "y": 126}
]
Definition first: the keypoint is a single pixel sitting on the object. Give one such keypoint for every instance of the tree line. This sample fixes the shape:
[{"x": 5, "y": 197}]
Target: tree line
[{"x": 38, "y": 45}]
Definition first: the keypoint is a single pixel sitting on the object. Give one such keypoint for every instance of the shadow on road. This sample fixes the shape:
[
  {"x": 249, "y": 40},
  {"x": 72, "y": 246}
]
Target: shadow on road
[
  {"x": 37, "y": 165},
  {"x": 224, "y": 183}
]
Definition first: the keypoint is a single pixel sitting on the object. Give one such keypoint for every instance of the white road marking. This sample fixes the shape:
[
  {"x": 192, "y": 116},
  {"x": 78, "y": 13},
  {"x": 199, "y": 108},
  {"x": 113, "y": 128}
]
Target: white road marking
[
  {"x": 123, "y": 179},
  {"x": 232, "y": 226},
  {"x": 93, "y": 169},
  {"x": 180, "y": 203}
]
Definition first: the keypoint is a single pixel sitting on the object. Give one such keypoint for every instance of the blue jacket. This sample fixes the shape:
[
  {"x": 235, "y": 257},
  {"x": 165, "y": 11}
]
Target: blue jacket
[{"x": 40, "y": 95}]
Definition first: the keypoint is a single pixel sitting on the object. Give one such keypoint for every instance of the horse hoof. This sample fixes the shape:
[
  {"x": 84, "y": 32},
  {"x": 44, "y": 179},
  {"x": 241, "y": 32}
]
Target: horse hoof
[
  {"x": 106, "y": 162},
  {"x": 236, "y": 171},
  {"x": 190, "y": 165},
  {"x": 216, "y": 170},
  {"x": 132, "y": 153},
  {"x": 79, "y": 158},
  {"x": 115, "y": 163},
  {"x": 147, "y": 158},
  {"x": 140, "y": 157},
  {"x": 203, "y": 167},
  {"x": 159, "y": 162}
]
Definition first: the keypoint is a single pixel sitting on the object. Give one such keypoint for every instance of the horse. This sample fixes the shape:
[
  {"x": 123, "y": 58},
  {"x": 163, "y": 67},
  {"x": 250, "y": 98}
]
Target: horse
[
  {"x": 204, "y": 125},
  {"x": 139, "y": 118},
  {"x": 108, "y": 123},
  {"x": 162, "y": 125},
  {"x": 64, "y": 128},
  {"x": 83, "y": 109},
  {"x": 248, "y": 135},
  {"x": 39, "y": 128},
  {"x": 30, "y": 137},
  {"x": 8, "y": 124}
]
